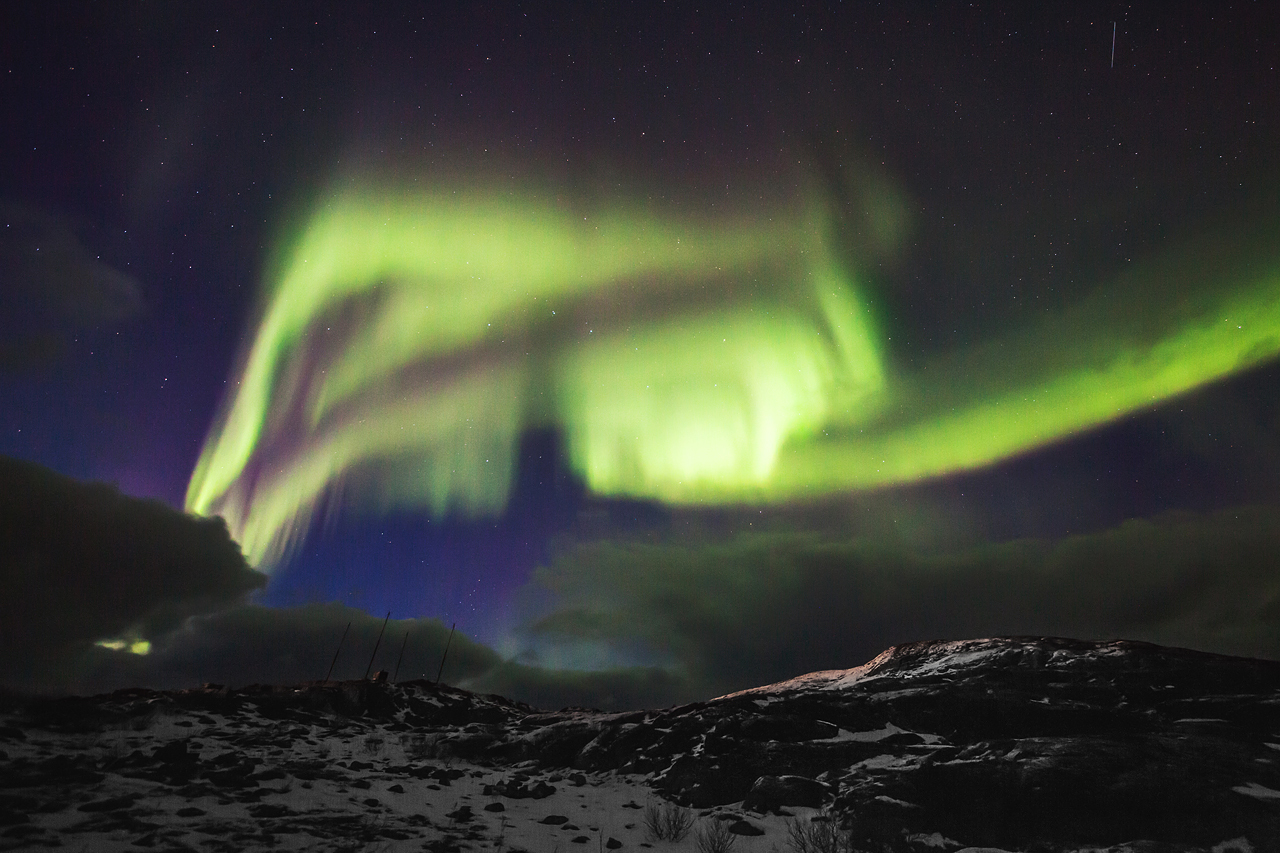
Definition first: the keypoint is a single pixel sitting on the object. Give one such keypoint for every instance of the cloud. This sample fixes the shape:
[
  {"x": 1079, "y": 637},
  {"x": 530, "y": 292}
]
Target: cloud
[
  {"x": 250, "y": 644},
  {"x": 612, "y": 689},
  {"x": 45, "y": 265},
  {"x": 254, "y": 644},
  {"x": 81, "y": 563},
  {"x": 51, "y": 283},
  {"x": 764, "y": 607},
  {"x": 621, "y": 624}
]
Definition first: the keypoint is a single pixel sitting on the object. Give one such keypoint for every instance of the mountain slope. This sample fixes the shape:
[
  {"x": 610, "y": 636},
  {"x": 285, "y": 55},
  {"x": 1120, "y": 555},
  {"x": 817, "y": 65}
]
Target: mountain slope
[{"x": 1013, "y": 743}]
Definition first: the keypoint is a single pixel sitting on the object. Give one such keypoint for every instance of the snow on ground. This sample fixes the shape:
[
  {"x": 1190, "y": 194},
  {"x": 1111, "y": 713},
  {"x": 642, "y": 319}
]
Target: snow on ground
[
  {"x": 1261, "y": 792},
  {"x": 266, "y": 784},
  {"x": 353, "y": 766}
]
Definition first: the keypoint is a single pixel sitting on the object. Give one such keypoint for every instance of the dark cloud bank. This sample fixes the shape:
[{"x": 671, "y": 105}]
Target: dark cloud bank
[
  {"x": 83, "y": 563},
  {"x": 765, "y": 607}
]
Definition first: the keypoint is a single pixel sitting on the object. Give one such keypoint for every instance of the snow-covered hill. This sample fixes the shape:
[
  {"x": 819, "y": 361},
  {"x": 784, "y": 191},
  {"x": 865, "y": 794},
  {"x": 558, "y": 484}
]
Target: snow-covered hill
[{"x": 1034, "y": 744}]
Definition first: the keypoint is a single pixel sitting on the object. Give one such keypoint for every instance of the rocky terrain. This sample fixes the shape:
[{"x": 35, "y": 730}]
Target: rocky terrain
[{"x": 1014, "y": 744}]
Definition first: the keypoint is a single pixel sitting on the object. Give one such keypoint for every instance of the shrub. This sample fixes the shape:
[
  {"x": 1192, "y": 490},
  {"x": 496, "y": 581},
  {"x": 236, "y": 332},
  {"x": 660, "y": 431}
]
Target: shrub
[
  {"x": 713, "y": 836},
  {"x": 667, "y": 822},
  {"x": 820, "y": 835},
  {"x": 418, "y": 747}
]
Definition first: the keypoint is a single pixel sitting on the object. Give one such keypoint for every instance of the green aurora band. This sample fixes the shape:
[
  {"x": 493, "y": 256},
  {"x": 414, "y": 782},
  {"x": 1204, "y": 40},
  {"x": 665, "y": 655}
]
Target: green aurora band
[{"x": 409, "y": 339}]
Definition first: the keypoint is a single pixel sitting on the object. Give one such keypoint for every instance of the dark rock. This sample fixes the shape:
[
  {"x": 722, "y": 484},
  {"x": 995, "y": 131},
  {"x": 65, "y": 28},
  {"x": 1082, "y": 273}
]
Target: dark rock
[
  {"x": 1017, "y": 743},
  {"x": 61, "y": 769},
  {"x": 613, "y": 843},
  {"x": 516, "y": 789},
  {"x": 190, "y": 811},
  {"x": 270, "y": 774},
  {"x": 445, "y": 775},
  {"x": 110, "y": 804},
  {"x": 177, "y": 752},
  {"x": 742, "y": 827},
  {"x": 770, "y": 793},
  {"x": 554, "y": 820},
  {"x": 264, "y": 810},
  {"x": 788, "y": 728},
  {"x": 700, "y": 784},
  {"x": 579, "y": 839},
  {"x": 495, "y": 807}
]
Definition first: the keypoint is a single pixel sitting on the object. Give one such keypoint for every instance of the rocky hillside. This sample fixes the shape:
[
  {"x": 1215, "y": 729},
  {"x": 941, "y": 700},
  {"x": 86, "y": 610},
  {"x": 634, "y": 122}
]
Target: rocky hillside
[{"x": 1013, "y": 743}]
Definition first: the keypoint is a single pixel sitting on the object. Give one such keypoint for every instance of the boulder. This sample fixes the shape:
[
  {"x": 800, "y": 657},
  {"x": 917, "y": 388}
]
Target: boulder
[{"x": 772, "y": 793}]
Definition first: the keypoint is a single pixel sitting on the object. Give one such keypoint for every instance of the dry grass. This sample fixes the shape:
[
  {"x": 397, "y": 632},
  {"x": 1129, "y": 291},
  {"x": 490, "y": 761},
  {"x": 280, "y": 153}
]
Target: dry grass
[
  {"x": 667, "y": 822},
  {"x": 822, "y": 834},
  {"x": 713, "y": 836}
]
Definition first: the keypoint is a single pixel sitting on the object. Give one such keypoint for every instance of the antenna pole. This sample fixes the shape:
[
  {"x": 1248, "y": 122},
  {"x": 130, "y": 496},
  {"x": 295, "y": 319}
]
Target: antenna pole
[
  {"x": 402, "y": 645},
  {"x": 375, "y": 647},
  {"x": 446, "y": 653},
  {"x": 335, "y": 654}
]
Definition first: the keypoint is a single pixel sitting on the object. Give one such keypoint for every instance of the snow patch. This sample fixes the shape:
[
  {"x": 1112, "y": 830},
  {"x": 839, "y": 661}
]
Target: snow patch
[
  {"x": 1261, "y": 792},
  {"x": 1235, "y": 845},
  {"x": 1200, "y": 720}
]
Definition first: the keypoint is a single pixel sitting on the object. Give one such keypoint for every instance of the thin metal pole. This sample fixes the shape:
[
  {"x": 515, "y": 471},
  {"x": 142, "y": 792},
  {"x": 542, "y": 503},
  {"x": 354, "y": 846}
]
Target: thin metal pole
[
  {"x": 446, "y": 653},
  {"x": 375, "y": 647},
  {"x": 402, "y": 645},
  {"x": 335, "y": 654}
]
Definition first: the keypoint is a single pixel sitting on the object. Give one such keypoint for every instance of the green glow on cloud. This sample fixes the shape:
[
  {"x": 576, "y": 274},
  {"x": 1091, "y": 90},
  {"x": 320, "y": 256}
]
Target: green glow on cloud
[
  {"x": 409, "y": 339},
  {"x": 136, "y": 647}
]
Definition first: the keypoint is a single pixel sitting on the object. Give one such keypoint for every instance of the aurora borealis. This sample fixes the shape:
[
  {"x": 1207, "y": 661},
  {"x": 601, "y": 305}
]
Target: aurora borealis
[
  {"x": 408, "y": 343},
  {"x": 665, "y": 352},
  {"x": 480, "y": 320}
]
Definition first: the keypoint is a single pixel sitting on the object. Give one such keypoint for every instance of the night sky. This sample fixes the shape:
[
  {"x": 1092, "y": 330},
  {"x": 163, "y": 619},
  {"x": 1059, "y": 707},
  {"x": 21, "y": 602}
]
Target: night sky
[{"x": 665, "y": 350}]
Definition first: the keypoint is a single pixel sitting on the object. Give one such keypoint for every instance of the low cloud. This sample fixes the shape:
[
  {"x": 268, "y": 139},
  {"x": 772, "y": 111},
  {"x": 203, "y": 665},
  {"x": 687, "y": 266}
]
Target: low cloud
[
  {"x": 612, "y": 689},
  {"x": 764, "y": 607},
  {"x": 81, "y": 563},
  {"x": 620, "y": 625},
  {"x": 251, "y": 644}
]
